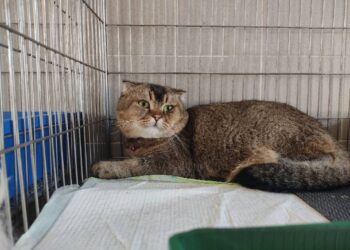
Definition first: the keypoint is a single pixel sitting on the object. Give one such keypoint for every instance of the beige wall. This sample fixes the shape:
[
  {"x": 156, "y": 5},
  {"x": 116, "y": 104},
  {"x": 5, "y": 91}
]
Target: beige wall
[
  {"x": 172, "y": 42},
  {"x": 229, "y": 50}
]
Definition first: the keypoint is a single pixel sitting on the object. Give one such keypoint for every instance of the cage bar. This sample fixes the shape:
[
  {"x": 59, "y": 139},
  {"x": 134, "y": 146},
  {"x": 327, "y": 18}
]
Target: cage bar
[{"x": 56, "y": 107}]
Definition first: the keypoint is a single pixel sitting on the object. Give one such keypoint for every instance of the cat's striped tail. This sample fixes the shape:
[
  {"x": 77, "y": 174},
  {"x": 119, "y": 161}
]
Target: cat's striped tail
[{"x": 291, "y": 175}]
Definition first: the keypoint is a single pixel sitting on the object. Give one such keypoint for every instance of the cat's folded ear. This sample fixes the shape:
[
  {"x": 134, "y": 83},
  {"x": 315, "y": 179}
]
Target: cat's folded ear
[
  {"x": 178, "y": 91},
  {"x": 127, "y": 85},
  {"x": 181, "y": 93}
]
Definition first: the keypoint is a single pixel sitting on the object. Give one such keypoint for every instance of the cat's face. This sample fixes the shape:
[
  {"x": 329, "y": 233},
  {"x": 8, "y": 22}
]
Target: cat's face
[{"x": 150, "y": 111}]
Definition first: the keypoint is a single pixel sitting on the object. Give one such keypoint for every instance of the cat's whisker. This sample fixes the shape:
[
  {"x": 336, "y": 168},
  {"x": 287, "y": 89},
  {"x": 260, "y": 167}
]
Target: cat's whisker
[{"x": 125, "y": 124}]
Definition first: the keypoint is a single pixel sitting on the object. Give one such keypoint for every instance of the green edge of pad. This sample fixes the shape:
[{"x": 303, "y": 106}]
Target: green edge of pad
[{"x": 330, "y": 236}]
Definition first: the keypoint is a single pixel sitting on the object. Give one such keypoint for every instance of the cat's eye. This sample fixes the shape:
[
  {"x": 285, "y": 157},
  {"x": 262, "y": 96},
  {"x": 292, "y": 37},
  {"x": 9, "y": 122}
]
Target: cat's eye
[
  {"x": 168, "y": 107},
  {"x": 144, "y": 104}
]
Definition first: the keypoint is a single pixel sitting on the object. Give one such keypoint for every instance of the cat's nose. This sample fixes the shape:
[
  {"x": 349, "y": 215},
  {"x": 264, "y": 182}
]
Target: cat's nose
[{"x": 156, "y": 117}]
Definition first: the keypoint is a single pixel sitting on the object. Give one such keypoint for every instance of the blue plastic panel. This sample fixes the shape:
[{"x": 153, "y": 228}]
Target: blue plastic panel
[{"x": 39, "y": 147}]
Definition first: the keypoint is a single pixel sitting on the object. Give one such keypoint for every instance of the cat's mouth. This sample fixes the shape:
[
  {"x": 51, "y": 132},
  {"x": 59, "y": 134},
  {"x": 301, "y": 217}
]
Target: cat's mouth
[{"x": 157, "y": 123}]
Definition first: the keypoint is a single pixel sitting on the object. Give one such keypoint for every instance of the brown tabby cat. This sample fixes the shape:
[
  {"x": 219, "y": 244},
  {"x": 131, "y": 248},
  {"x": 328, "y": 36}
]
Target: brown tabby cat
[{"x": 259, "y": 144}]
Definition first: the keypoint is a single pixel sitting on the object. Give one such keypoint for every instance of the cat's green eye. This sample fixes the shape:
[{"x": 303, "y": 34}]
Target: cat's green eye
[
  {"x": 168, "y": 107},
  {"x": 144, "y": 104}
]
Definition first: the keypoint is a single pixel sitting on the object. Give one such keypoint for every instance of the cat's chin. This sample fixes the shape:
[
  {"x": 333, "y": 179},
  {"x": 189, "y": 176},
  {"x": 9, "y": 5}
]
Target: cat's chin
[
  {"x": 148, "y": 132},
  {"x": 152, "y": 132}
]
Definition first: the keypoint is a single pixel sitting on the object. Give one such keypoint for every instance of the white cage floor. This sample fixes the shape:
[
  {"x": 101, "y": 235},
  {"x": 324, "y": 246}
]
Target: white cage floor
[{"x": 143, "y": 212}]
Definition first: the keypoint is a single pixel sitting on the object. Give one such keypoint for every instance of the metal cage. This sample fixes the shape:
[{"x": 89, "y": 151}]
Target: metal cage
[
  {"x": 290, "y": 51},
  {"x": 57, "y": 99},
  {"x": 53, "y": 101}
]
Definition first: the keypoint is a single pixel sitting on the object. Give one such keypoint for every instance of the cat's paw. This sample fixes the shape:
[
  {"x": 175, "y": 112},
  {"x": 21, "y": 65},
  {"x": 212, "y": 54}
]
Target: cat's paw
[{"x": 102, "y": 170}]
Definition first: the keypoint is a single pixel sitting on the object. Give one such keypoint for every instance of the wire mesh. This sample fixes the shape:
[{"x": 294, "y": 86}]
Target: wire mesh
[
  {"x": 290, "y": 51},
  {"x": 53, "y": 101}
]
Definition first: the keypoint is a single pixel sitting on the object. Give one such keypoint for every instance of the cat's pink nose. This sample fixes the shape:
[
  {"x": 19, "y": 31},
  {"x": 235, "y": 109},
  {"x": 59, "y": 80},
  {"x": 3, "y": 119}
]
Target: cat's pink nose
[{"x": 156, "y": 117}]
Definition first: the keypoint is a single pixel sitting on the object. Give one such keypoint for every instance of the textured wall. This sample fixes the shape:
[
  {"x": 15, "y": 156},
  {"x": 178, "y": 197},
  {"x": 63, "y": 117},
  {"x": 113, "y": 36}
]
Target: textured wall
[{"x": 294, "y": 51}]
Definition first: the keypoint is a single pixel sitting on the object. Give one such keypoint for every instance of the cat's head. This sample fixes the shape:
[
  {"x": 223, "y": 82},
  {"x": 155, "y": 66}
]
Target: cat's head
[{"x": 150, "y": 111}]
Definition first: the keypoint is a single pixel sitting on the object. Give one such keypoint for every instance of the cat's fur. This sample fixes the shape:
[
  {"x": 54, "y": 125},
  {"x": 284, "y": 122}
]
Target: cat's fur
[{"x": 259, "y": 144}]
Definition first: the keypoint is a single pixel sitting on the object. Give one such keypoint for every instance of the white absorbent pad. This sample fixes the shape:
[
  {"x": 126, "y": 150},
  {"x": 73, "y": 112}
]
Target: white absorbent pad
[{"x": 143, "y": 212}]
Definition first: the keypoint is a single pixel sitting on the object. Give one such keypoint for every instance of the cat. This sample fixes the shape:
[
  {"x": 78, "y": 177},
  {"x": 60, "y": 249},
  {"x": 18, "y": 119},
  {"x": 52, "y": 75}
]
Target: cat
[{"x": 259, "y": 144}]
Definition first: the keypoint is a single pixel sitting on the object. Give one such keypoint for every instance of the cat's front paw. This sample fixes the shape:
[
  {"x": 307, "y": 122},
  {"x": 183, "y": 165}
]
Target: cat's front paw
[
  {"x": 102, "y": 170},
  {"x": 116, "y": 169}
]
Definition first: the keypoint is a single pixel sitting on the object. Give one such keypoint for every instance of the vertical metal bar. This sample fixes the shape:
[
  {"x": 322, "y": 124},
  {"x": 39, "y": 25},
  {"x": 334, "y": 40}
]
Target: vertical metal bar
[
  {"x": 341, "y": 80},
  {"x": 14, "y": 115},
  {"x": 259, "y": 78},
  {"x": 70, "y": 87},
  {"x": 23, "y": 102},
  {"x": 176, "y": 35},
  {"x": 200, "y": 51},
  {"x": 75, "y": 87},
  {"x": 278, "y": 78},
  {"x": 91, "y": 77},
  {"x": 106, "y": 76},
  {"x": 211, "y": 46},
  {"x": 31, "y": 110},
  {"x": 321, "y": 62},
  {"x": 39, "y": 89},
  {"x": 78, "y": 96},
  {"x": 26, "y": 110},
  {"x": 103, "y": 97},
  {"x": 96, "y": 37},
  {"x": 65, "y": 85},
  {"x": 309, "y": 91},
  {"x": 56, "y": 88},
  {"x": 86, "y": 57},
  {"x": 331, "y": 78},
  {"x": 343, "y": 67},
  {"x": 299, "y": 59},
  {"x": 63, "y": 93},
  {"x": 95, "y": 85},
  {"x": 119, "y": 54},
  {"x": 55, "y": 34},
  {"x": 131, "y": 69},
  {"x": 99, "y": 87},
  {"x": 142, "y": 29},
  {"x": 89, "y": 91},
  {"x": 3, "y": 177},
  {"x": 119, "y": 67},
  {"x": 265, "y": 49},
  {"x": 234, "y": 45},
  {"x": 93, "y": 88},
  {"x": 223, "y": 52},
  {"x": 245, "y": 78},
  {"x": 288, "y": 97},
  {"x": 53, "y": 170},
  {"x": 81, "y": 78}
]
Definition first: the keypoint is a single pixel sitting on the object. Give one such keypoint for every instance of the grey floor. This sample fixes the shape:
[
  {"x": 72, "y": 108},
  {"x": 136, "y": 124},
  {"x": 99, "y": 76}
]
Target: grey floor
[{"x": 333, "y": 204}]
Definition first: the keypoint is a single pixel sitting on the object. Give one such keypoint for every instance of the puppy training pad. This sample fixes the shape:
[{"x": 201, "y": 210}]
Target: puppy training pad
[{"x": 144, "y": 212}]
